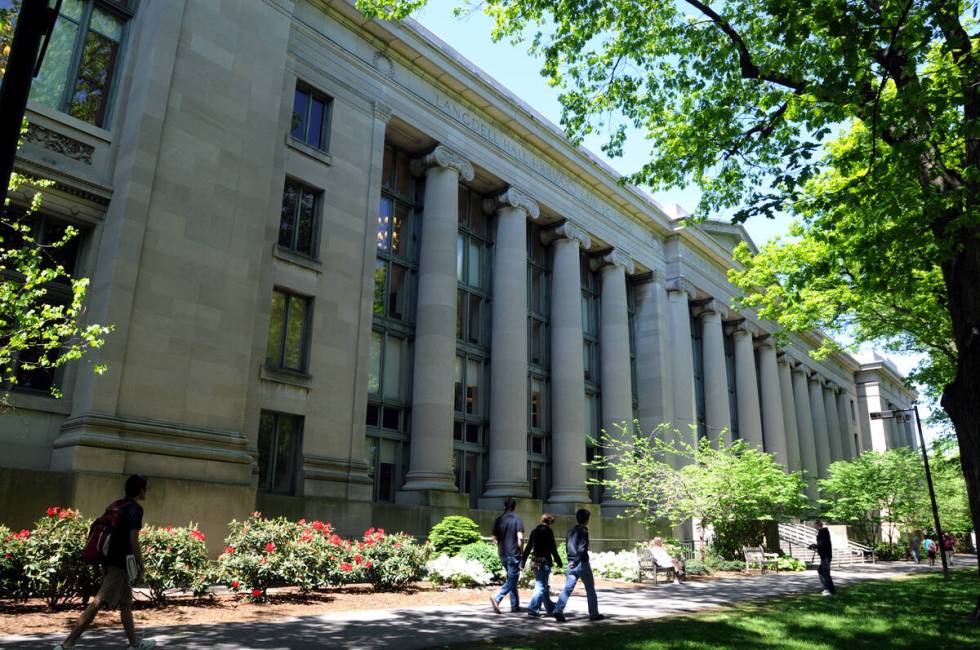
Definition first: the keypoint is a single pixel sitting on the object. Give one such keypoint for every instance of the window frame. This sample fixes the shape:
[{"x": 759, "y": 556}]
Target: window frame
[
  {"x": 327, "y": 100},
  {"x": 306, "y": 338},
  {"x": 317, "y": 193},
  {"x": 296, "y": 453}
]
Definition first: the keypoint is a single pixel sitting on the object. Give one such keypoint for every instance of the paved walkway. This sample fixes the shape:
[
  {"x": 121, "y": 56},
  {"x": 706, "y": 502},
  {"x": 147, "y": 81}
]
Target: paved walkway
[{"x": 427, "y": 627}]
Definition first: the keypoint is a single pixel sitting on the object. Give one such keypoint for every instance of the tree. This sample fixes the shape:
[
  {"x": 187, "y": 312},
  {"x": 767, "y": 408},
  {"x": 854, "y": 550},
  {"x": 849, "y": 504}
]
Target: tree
[
  {"x": 734, "y": 489},
  {"x": 954, "y": 508},
  {"x": 741, "y": 96}
]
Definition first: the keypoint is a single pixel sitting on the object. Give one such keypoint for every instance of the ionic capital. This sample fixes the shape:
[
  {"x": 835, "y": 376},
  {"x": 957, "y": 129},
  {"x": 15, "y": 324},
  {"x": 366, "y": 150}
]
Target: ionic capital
[
  {"x": 568, "y": 231},
  {"x": 382, "y": 112},
  {"x": 512, "y": 198},
  {"x": 831, "y": 386},
  {"x": 710, "y": 307},
  {"x": 764, "y": 340},
  {"x": 680, "y": 284},
  {"x": 614, "y": 258},
  {"x": 817, "y": 379},
  {"x": 443, "y": 156}
]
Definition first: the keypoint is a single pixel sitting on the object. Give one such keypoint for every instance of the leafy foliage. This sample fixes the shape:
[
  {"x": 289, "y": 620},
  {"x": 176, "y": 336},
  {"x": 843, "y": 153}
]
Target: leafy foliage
[
  {"x": 486, "y": 554},
  {"x": 174, "y": 559},
  {"x": 392, "y": 561},
  {"x": 457, "y": 571},
  {"x": 453, "y": 533},
  {"x": 13, "y": 581},
  {"x": 53, "y": 565}
]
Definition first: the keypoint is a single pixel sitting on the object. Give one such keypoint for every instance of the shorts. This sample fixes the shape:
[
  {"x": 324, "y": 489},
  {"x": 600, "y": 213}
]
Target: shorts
[
  {"x": 932, "y": 555},
  {"x": 115, "y": 591}
]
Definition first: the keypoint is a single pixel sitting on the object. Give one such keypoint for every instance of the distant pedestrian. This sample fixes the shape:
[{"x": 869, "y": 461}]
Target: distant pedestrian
[
  {"x": 931, "y": 547},
  {"x": 949, "y": 545},
  {"x": 542, "y": 550},
  {"x": 508, "y": 533},
  {"x": 116, "y": 590},
  {"x": 914, "y": 544},
  {"x": 577, "y": 545},
  {"x": 825, "y": 551}
]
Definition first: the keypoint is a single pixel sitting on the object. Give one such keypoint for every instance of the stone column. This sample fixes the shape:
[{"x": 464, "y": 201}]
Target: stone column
[
  {"x": 430, "y": 463},
  {"x": 614, "y": 343},
  {"x": 679, "y": 292},
  {"x": 508, "y": 347},
  {"x": 833, "y": 422},
  {"x": 567, "y": 371},
  {"x": 844, "y": 421},
  {"x": 717, "y": 410},
  {"x": 820, "y": 436},
  {"x": 804, "y": 426},
  {"x": 773, "y": 426},
  {"x": 654, "y": 382},
  {"x": 747, "y": 388},
  {"x": 793, "y": 460}
]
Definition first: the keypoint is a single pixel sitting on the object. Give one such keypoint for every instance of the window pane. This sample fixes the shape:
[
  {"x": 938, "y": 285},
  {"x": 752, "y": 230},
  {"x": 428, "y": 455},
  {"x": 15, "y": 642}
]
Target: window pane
[
  {"x": 90, "y": 96},
  {"x": 460, "y": 313},
  {"x": 72, "y": 9},
  {"x": 393, "y": 368},
  {"x": 307, "y": 215},
  {"x": 477, "y": 219},
  {"x": 585, "y": 315},
  {"x": 388, "y": 168},
  {"x": 403, "y": 178},
  {"x": 535, "y": 404},
  {"x": 49, "y": 86},
  {"x": 301, "y": 104},
  {"x": 457, "y": 430},
  {"x": 285, "y": 454},
  {"x": 295, "y": 333},
  {"x": 273, "y": 350},
  {"x": 384, "y": 224},
  {"x": 460, "y": 247},
  {"x": 267, "y": 435},
  {"x": 587, "y": 359},
  {"x": 287, "y": 219},
  {"x": 399, "y": 228},
  {"x": 314, "y": 135},
  {"x": 386, "y": 482},
  {"x": 374, "y": 363},
  {"x": 390, "y": 418},
  {"x": 397, "y": 292},
  {"x": 458, "y": 388},
  {"x": 473, "y": 259},
  {"x": 537, "y": 353},
  {"x": 106, "y": 24},
  {"x": 461, "y": 195},
  {"x": 380, "y": 268},
  {"x": 473, "y": 433},
  {"x": 373, "y": 413},
  {"x": 476, "y": 302},
  {"x": 472, "y": 387}
]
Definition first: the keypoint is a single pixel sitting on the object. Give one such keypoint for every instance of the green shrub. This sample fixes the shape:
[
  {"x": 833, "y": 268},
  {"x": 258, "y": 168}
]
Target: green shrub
[
  {"x": 392, "y": 561},
  {"x": 486, "y": 554},
  {"x": 174, "y": 558},
  {"x": 53, "y": 566},
  {"x": 258, "y": 554},
  {"x": 889, "y": 552},
  {"x": 453, "y": 533},
  {"x": 787, "y": 563},
  {"x": 319, "y": 558},
  {"x": 13, "y": 582},
  {"x": 696, "y": 568}
]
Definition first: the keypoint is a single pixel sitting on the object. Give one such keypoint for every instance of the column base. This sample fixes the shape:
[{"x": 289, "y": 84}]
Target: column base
[
  {"x": 438, "y": 481},
  {"x": 567, "y": 507},
  {"x": 433, "y": 498},
  {"x": 503, "y": 489}
]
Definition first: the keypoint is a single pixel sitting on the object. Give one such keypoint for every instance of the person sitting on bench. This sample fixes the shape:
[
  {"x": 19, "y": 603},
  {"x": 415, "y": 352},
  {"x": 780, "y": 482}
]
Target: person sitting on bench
[{"x": 663, "y": 558}]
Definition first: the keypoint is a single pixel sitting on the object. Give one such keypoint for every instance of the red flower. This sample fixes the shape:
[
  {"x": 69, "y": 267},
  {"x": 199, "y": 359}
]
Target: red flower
[
  {"x": 346, "y": 566},
  {"x": 23, "y": 534},
  {"x": 305, "y": 537},
  {"x": 235, "y": 584},
  {"x": 198, "y": 535},
  {"x": 318, "y": 525},
  {"x": 368, "y": 565},
  {"x": 256, "y": 593},
  {"x": 357, "y": 559},
  {"x": 360, "y": 545},
  {"x": 398, "y": 545},
  {"x": 52, "y": 511},
  {"x": 256, "y": 514},
  {"x": 229, "y": 550},
  {"x": 301, "y": 522},
  {"x": 369, "y": 532},
  {"x": 381, "y": 531},
  {"x": 65, "y": 513},
  {"x": 169, "y": 529},
  {"x": 335, "y": 540},
  {"x": 270, "y": 548}
]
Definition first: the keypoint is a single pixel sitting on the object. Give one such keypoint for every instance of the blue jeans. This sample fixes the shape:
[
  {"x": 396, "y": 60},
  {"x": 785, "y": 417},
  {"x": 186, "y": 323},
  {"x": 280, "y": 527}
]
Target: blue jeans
[
  {"x": 541, "y": 596},
  {"x": 824, "y": 573},
  {"x": 512, "y": 565},
  {"x": 583, "y": 572}
]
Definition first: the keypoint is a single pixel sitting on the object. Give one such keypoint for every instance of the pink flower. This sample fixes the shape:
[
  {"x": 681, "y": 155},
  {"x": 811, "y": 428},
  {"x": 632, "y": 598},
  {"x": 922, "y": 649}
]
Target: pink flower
[
  {"x": 368, "y": 565},
  {"x": 198, "y": 535},
  {"x": 357, "y": 559},
  {"x": 360, "y": 545},
  {"x": 169, "y": 529},
  {"x": 270, "y": 548},
  {"x": 65, "y": 513},
  {"x": 23, "y": 534},
  {"x": 256, "y": 514},
  {"x": 346, "y": 566},
  {"x": 335, "y": 540},
  {"x": 318, "y": 525},
  {"x": 229, "y": 550},
  {"x": 301, "y": 522}
]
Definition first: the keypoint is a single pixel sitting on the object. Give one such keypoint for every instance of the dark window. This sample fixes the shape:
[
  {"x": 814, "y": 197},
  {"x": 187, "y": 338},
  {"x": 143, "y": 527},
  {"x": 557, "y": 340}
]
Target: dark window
[
  {"x": 82, "y": 59},
  {"x": 698, "y": 357},
  {"x": 299, "y": 221},
  {"x": 590, "y": 362},
  {"x": 729, "y": 344},
  {"x": 289, "y": 326},
  {"x": 311, "y": 118},
  {"x": 280, "y": 444}
]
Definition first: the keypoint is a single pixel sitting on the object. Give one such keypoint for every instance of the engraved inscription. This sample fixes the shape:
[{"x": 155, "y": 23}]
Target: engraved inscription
[{"x": 59, "y": 143}]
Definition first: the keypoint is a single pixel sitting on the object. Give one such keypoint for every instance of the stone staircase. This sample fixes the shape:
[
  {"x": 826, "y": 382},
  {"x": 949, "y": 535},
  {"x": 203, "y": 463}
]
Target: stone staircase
[{"x": 794, "y": 540}]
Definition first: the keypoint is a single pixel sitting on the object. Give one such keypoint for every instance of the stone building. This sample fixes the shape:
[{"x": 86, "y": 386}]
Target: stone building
[{"x": 353, "y": 277}]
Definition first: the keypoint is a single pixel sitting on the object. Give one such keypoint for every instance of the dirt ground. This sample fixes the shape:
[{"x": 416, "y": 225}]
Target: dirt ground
[{"x": 33, "y": 617}]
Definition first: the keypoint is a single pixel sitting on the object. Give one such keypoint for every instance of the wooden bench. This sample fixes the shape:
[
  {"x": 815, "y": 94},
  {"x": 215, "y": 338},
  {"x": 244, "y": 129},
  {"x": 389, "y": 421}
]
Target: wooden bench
[
  {"x": 649, "y": 566},
  {"x": 757, "y": 555}
]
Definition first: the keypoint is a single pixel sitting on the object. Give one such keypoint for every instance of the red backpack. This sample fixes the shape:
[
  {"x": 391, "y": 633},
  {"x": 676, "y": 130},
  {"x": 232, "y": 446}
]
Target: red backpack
[{"x": 96, "y": 549}]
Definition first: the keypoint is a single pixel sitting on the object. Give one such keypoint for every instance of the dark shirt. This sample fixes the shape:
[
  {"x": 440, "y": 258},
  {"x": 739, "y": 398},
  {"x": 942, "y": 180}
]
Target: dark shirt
[
  {"x": 577, "y": 545},
  {"x": 130, "y": 518},
  {"x": 505, "y": 529},
  {"x": 823, "y": 544},
  {"x": 542, "y": 543}
]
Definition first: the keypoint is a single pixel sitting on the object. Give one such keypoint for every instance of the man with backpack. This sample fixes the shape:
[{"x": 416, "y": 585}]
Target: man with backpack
[{"x": 113, "y": 537}]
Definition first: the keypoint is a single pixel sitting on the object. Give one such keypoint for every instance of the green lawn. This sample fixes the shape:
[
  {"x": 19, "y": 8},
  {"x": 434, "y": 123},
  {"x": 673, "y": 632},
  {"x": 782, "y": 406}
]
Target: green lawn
[{"x": 919, "y": 612}]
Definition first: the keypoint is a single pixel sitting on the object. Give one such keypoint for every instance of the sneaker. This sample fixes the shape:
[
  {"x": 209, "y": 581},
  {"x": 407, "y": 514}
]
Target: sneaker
[
  {"x": 495, "y": 605},
  {"x": 514, "y": 610},
  {"x": 826, "y": 593},
  {"x": 559, "y": 617},
  {"x": 533, "y": 614},
  {"x": 597, "y": 617},
  {"x": 144, "y": 644}
]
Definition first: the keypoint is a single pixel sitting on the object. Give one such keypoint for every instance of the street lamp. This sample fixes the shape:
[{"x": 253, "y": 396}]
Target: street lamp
[{"x": 888, "y": 415}]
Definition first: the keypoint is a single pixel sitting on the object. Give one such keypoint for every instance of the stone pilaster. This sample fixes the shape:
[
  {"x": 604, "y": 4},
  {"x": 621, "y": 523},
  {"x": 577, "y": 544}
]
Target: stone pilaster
[
  {"x": 794, "y": 462},
  {"x": 747, "y": 388},
  {"x": 773, "y": 427},
  {"x": 508, "y": 361},
  {"x": 430, "y": 465},
  {"x": 833, "y": 422},
  {"x": 679, "y": 293},
  {"x": 717, "y": 409},
  {"x": 567, "y": 371},
  {"x": 804, "y": 426},
  {"x": 654, "y": 383},
  {"x": 820, "y": 435}
]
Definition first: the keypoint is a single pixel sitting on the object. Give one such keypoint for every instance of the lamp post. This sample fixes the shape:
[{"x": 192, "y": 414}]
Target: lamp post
[{"x": 888, "y": 415}]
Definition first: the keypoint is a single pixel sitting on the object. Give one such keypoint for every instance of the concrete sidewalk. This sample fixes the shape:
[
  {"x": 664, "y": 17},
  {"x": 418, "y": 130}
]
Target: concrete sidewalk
[{"x": 426, "y": 627}]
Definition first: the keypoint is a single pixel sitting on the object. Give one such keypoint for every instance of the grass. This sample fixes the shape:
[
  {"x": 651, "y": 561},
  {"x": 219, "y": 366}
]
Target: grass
[{"x": 919, "y": 612}]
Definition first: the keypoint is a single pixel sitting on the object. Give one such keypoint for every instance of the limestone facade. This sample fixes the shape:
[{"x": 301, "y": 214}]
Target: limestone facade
[{"x": 352, "y": 277}]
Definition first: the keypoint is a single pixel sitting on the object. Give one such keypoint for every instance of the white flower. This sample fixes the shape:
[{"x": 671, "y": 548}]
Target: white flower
[
  {"x": 457, "y": 571},
  {"x": 623, "y": 565}
]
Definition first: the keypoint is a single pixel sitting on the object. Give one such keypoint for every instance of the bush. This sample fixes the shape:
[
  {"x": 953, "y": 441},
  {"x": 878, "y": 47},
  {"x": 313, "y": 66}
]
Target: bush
[
  {"x": 696, "y": 568},
  {"x": 731, "y": 536},
  {"x": 318, "y": 557},
  {"x": 622, "y": 565},
  {"x": 13, "y": 582},
  {"x": 174, "y": 558},
  {"x": 890, "y": 552},
  {"x": 486, "y": 554},
  {"x": 457, "y": 572},
  {"x": 258, "y": 554},
  {"x": 453, "y": 533},
  {"x": 392, "y": 561},
  {"x": 53, "y": 566},
  {"x": 787, "y": 563}
]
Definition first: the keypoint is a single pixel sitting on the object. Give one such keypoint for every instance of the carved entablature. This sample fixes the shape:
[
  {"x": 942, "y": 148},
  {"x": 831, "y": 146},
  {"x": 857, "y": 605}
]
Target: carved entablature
[
  {"x": 59, "y": 143},
  {"x": 568, "y": 231},
  {"x": 443, "y": 156},
  {"x": 512, "y": 198}
]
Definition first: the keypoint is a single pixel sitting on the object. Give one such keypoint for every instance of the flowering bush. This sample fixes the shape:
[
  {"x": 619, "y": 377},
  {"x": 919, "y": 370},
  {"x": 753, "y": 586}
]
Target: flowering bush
[
  {"x": 53, "y": 565},
  {"x": 624, "y": 565},
  {"x": 13, "y": 583},
  {"x": 457, "y": 572},
  {"x": 174, "y": 558},
  {"x": 486, "y": 554},
  {"x": 453, "y": 533},
  {"x": 391, "y": 561},
  {"x": 258, "y": 554}
]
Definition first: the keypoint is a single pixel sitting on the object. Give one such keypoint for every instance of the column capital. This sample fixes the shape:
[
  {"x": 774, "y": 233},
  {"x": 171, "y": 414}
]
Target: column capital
[
  {"x": 817, "y": 379},
  {"x": 615, "y": 257},
  {"x": 800, "y": 368},
  {"x": 382, "y": 111},
  {"x": 831, "y": 386},
  {"x": 569, "y": 231},
  {"x": 741, "y": 326},
  {"x": 680, "y": 284},
  {"x": 443, "y": 156},
  {"x": 764, "y": 340},
  {"x": 711, "y": 307},
  {"x": 512, "y": 198}
]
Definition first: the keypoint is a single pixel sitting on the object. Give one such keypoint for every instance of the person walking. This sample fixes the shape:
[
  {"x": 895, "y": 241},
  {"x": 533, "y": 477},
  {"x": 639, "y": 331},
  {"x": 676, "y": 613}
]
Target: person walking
[
  {"x": 824, "y": 550},
  {"x": 541, "y": 548},
  {"x": 577, "y": 545},
  {"x": 116, "y": 590},
  {"x": 930, "y": 545},
  {"x": 949, "y": 545},
  {"x": 914, "y": 543},
  {"x": 508, "y": 533}
]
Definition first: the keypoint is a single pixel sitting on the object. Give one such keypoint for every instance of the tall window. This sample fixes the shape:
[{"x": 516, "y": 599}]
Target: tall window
[
  {"x": 698, "y": 357},
  {"x": 538, "y": 363},
  {"x": 729, "y": 340},
  {"x": 389, "y": 378},
  {"x": 81, "y": 62},
  {"x": 299, "y": 223},
  {"x": 289, "y": 326},
  {"x": 631, "y": 320},
  {"x": 590, "y": 361},
  {"x": 311, "y": 118},
  {"x": 280, "y": 448},
  {"x": 471, "y": 404}
]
